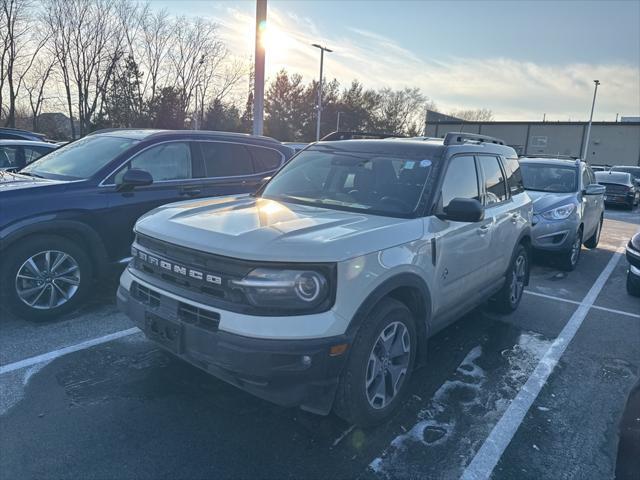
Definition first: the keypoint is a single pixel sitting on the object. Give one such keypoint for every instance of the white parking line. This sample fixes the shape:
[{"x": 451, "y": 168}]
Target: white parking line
[
  {"x": 47, "y": 357},
  {"x": 498, "y": 440},
  {"x": 595, "y": 307}
]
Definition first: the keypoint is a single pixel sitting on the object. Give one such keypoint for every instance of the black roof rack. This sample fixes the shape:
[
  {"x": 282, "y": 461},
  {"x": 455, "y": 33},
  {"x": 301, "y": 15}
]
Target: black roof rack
[
  {"x": 548, "y": 155},
  {"x": 344, "y": 135},
  {"x": 457, "y": 138}
]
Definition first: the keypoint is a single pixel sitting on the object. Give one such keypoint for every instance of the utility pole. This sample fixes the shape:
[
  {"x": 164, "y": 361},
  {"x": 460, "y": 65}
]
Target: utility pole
[
  {"x": 338, "y": 122},
  {"x": 585, "y": 151},
  {"x": 258, "y": 81},
  {"x": 319, "y": 107}
]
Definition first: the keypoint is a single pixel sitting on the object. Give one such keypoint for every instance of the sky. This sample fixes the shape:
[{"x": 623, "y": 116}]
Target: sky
[{"x": 520, "y": 59}]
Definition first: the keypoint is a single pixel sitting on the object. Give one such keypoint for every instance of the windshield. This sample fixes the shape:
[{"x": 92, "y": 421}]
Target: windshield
[
  {"x": 80, "y": 159},
  {"x": 381, "y": 184},
  {"x": 615, "y": 177},
  {"x": 549, "y": 178}
]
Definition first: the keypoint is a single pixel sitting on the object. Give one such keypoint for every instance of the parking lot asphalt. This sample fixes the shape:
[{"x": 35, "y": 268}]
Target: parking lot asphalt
[{"x": 75, "y": 402}]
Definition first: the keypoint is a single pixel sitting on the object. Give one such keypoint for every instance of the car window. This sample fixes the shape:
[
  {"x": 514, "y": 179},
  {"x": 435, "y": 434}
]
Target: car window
[
  {"x": 343, "y": 178},
  {"x": 460, "y": 181},
  {"x": 80, "y": 159},
  {"x": 226, "y": 159},
  {"x": 265, "y": 159},
  {"x": 543, "y": 177},
  {"x": 33, "y": 153},
  {"x": 9, "y": 156},
  {"x": 494, "y": 184},
  {"x": 514, "y": 176},
  {"x": 167, "y": 161}
]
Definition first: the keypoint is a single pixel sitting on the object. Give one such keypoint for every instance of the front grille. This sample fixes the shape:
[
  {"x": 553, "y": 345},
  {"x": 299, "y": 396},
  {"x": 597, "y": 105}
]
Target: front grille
[
  {"x": 145, "y": 295},
  {"x": 198, "y": 316}
]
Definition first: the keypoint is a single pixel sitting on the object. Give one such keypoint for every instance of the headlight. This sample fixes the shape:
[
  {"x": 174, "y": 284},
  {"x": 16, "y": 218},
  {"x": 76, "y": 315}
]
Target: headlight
[
  {"x": 287, "y": 290},
  {"x": 559, "y": 213}
]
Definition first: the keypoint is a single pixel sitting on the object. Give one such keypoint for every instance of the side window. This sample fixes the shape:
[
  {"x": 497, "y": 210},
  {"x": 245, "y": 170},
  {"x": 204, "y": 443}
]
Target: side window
[
  {"x": 226, "y": 159},
  {"x": 460, "y": 181},
  {"x": 514, "y": 176},
  {"x": 265, "y": 159},
  {"x": 167, "y": 161},
  {"x": 494, "y": 184},
  {"x": 8, "y": 157},
  {"x": 33, "y": 153}
]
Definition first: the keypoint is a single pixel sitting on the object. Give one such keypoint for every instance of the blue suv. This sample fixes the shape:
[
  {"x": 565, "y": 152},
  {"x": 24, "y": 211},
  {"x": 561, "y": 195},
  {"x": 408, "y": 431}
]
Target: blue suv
[{"x": 66, "y": 218}]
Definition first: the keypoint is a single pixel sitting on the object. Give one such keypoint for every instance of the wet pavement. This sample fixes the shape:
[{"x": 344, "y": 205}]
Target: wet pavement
[{"x": 125, "y": 409}]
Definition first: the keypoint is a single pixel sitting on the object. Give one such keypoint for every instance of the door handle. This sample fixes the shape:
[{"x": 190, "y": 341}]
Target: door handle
[{"x": 190, "y": 192}]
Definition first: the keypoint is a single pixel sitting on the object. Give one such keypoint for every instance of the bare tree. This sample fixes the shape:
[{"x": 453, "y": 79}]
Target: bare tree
[
  {"x": 156, "y": 35},
  {"x": 399, "y": 110},
  {"x": 89, "y": 40},
  {"x": 35, "y": 85},
  {"x": 19, "y": 50},
  {"x": 478, "y": 115}
]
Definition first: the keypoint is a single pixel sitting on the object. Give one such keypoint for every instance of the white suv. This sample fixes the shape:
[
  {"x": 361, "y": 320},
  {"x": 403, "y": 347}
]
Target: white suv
[{"x": 321, "y": 290}]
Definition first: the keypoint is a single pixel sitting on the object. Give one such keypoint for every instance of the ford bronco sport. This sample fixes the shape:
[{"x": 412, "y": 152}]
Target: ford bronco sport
[{"x": 320, "y": 291}]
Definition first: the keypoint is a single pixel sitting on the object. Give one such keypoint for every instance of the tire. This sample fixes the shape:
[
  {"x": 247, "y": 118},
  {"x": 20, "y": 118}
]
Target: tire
[
  {"x": 69, "y": 274},
  {"x": 356, "y": 402},
  {"x": 595, "y": 238},
  {"x": 633, "y": 285},
  {"x": 569, "y": 259},
  {"x": 510, "y": 295}
]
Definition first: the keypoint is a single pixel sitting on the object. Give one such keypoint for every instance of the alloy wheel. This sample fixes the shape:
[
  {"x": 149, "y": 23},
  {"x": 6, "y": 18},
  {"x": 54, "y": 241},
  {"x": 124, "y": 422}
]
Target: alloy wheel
[
  {"x": 518, "y": 279},
  {"x": 387, "y": 365},
  {"x": 47, "y": 279}
]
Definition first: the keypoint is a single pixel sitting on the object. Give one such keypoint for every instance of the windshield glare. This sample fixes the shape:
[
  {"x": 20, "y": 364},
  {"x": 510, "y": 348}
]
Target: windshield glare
[
  {"x": 549, "y": 178},
  {"x": 80, "y": 159},
  {"x": 380, "y": 184}
]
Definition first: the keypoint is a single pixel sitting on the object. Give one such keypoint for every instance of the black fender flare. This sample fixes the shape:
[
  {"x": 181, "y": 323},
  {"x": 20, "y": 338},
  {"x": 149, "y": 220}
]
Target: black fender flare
[
  {"x": 72, "y": 229},
  {"x": 424, "y": 306}
]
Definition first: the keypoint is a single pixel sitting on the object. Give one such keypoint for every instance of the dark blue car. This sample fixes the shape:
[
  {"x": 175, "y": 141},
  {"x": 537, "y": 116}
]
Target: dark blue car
[{"x": 66, "y": 218}]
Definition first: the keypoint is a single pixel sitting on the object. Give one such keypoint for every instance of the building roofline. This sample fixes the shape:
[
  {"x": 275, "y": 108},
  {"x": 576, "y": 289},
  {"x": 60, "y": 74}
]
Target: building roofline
[{"x": 524, "y": 122}]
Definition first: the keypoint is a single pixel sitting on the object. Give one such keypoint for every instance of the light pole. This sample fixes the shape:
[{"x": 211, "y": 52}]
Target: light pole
[
  {"x": 258, "y": 79},
  {"x": 338, "y": 122},
  {"x": 322, "y": 50},
  {"x": 585, "y": 151}
]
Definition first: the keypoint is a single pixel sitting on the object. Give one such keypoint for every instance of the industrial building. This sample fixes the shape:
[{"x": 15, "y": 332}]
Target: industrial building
[{"x": 611, "y": 143}]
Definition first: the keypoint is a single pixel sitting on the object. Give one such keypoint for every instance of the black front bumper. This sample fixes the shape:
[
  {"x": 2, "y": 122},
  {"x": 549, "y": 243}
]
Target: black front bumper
[{"x": 291, "y": 373}]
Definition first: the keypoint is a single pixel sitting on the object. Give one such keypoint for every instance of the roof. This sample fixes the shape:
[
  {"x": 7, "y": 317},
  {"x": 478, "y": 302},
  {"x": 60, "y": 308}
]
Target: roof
[
  {"x": 29, "y": 143},
  {"x": 143, "y": 133}
]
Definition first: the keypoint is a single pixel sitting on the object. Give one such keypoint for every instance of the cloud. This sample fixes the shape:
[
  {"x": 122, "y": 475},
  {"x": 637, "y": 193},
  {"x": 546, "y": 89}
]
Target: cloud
[{"x": 512, "y": 88}]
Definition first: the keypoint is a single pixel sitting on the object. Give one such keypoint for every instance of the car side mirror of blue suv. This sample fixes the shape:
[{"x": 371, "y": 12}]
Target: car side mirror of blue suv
[
  {"x": 135, "y": 177},
  {"x": 594, "y": 189}
]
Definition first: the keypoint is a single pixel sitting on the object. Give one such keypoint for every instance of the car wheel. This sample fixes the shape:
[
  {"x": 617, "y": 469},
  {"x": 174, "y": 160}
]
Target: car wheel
[
  {"x": 375, "y": 380},
  {"x": 510, "y": 295},
  {"x": 595, "y": 238},
  {"x": 45, "y": 276},
  {"x": 633, "y": 284},
  {"x": 569, "y": 259}
]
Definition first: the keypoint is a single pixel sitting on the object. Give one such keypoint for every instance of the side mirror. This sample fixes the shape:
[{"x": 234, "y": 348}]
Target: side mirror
[
  {"x": 464, "y": 210},
  {"x": 135, "y": 177},
  {"x": 595, "y": 189}
]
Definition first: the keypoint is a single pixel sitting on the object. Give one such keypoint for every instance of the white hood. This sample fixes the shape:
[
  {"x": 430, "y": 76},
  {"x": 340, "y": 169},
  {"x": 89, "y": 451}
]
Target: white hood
[{"x": 260, "y": 229}]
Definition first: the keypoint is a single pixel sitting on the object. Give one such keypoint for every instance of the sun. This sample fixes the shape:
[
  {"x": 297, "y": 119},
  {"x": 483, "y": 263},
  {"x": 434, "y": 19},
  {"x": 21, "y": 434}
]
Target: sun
[{"x": 274, "y": 40}]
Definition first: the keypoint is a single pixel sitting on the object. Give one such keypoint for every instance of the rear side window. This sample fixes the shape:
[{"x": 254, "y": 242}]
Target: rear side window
[
  {"x": 265, "y": 159},
  {"x": 9, "y": 157},
  {"x": 514, "y": 176},
  {"x": 226, "y": 159},
  {"x": 460, "y": 181},
  {"x": 33, "y": 153},
  {"x": 494, "y": 183}
]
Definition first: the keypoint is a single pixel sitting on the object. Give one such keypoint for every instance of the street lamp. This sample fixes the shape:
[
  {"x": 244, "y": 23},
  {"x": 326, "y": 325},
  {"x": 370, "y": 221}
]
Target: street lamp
[
  {"x": 322, "y": 50},
  {"x": 585, "y": 151},
  {"x": 338, "y": 122}
]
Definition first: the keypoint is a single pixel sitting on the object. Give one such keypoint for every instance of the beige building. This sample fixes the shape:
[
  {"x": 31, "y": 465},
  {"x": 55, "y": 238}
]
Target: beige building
[{"x": 611, "y": 143}]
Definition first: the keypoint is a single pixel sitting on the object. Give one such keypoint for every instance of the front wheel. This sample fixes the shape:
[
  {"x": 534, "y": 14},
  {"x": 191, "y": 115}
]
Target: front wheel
[
  {"x": 633, "y": 284},
  {"x": 595, "y": 238},
  {"x": 376, "y": 378},
  {"x": 510, "y": 295},
  {"x": 45, "y": 276},
  {"x": 569, "y": 259}
]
